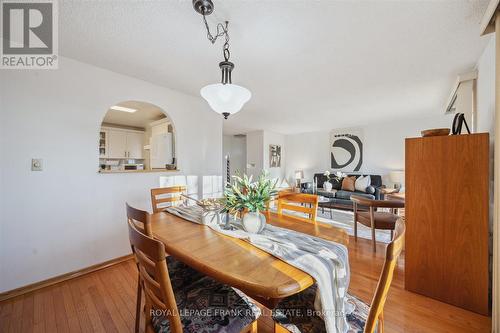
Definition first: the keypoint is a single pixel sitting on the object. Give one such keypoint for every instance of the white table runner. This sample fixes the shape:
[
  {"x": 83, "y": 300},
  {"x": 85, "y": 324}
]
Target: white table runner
[{"x": 327, "y": 262}]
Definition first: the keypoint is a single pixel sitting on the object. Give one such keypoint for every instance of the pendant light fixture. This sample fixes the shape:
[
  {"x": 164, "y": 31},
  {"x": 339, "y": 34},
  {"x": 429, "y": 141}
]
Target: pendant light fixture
[{"x": 224, "y": 98}]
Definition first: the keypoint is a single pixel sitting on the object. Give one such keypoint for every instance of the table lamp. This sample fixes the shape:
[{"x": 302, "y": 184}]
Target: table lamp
[
  {"x": 397, "y": 177},
  {"x": 299, "y": 175}
]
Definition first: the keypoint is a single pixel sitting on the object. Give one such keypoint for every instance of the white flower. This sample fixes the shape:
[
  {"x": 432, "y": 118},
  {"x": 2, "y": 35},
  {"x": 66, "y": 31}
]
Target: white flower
[
  {"x": 327, "y": 173},
  {"x": 339, "y": 174}
]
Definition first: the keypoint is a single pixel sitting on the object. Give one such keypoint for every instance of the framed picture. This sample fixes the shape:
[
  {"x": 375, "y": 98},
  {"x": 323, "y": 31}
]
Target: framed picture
[
  {"x": 274, "y": 156},
  {"x": 346, "y": 149}
]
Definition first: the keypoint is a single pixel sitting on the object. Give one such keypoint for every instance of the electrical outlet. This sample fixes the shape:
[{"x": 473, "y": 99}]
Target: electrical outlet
[{"x": 36, "y": 164}]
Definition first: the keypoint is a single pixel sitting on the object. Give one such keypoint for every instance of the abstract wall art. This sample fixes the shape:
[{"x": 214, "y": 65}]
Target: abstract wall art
[{"x": 346, "y": 149}]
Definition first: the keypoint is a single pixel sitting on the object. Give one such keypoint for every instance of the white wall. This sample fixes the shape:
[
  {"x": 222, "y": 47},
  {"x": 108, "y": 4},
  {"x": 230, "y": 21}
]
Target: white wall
[
  {"x": 486, "y": 104},
  {"x": 236, "y": 148},
  {"x": 255, "y": 155},
  {"x": 486, "y": 89},
  {"x": 383, "y": 146},
  {"x": 68, "y": 216}
]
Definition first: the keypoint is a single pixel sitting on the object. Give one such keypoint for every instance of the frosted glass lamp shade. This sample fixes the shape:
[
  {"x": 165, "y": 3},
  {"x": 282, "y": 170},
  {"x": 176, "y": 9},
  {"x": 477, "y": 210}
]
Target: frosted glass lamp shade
[{"x": 225, "y": 98}]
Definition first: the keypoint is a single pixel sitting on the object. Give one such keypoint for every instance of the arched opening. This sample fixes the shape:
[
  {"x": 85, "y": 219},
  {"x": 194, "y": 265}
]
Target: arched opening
[{"x": 136, "y": 137}]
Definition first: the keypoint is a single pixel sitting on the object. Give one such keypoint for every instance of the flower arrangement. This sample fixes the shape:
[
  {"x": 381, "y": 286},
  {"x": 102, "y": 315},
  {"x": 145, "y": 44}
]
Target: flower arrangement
[
  {"x": 245, "y": 194},
  {"x": 338, "y": 175}
]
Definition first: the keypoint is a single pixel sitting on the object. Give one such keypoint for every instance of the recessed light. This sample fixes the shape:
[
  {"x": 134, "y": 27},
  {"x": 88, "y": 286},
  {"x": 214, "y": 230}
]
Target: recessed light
[{"x": 122, "y": 108}]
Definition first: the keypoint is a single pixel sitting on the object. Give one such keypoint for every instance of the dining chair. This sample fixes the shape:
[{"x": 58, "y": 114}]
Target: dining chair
[
  {"x": 202, "y": 306},
  {"x": 141, "y": 220},
  {"x": 375, "y": 219},
  {"x": 298, "y": 202},
  {"x": 288, "y": 314},
  {"x": 164, "y": 197}
]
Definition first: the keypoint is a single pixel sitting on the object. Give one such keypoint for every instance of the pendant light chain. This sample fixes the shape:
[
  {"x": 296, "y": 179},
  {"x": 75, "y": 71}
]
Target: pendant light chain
[{"x": 222, "y": 30}]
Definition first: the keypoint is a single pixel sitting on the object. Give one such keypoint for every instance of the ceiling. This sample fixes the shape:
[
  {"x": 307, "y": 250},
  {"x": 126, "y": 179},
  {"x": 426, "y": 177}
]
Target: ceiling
[
  {"x": 310, "y": 65},
  {"x": 145, "y": 115}
]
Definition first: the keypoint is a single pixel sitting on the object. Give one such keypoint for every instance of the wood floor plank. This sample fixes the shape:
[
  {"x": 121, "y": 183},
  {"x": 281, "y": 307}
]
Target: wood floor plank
[
  {"x": 92, "y": 312},
  {"x": 60, "y": 310},
  {"x": 70, "y": 309},
  {"x": 49, "y": 315},
  {"x": 38, "y": 316},
  {"x": 124, "y": 306},
  {"x": 16, "y": 316},
  {"x": 5, "y": 312},
  {"x": 28, "y": 313},
  {"x": 80, "y": 308},
  {"x": 108, "y": 306}
]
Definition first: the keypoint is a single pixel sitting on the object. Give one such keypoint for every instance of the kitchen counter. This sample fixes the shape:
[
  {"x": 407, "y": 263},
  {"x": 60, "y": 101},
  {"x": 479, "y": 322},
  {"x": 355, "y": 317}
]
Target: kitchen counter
[{"x": 137, "y": 171}]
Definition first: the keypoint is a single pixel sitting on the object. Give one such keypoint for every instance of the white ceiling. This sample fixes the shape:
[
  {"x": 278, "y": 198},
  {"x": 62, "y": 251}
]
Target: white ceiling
[
  {"x": 311, "y": 65},
  {"x": 146, "y": 113}
]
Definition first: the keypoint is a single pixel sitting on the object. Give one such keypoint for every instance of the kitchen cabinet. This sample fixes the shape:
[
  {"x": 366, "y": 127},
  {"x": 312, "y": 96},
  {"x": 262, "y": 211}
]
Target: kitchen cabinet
[
  {"x": 124, "y": 144},
  {"x": 117, "y": 144},
  {"x": 135, "y": 145}
]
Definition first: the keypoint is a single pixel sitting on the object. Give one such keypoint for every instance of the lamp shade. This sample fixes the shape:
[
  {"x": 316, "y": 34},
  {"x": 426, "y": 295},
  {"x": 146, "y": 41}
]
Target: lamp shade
[
  {"x": 225, "y": 98},
  {"x": 299, "y": 174},
  {"x": 397, "y": 176}
]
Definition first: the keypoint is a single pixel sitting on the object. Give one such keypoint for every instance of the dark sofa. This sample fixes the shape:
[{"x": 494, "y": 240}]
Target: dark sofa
[{"x": 342, "y": 199}]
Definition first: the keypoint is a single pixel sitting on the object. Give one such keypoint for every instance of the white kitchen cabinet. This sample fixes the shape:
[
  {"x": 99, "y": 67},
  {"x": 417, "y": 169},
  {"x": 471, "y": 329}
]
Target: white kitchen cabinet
[
  {"x": 117, "y": 144},
  {"x": 124, "y": 144},
  {"x": 135, "y": 145}
]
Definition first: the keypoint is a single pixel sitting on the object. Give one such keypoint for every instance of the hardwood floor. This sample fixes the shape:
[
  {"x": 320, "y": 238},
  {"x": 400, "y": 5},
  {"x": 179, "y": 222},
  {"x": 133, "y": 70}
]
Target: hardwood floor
[{"x": 104, "y": 301}]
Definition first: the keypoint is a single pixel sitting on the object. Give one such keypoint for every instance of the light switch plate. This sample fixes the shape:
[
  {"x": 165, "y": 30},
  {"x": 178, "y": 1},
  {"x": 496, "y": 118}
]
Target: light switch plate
[{"x": 36, "y": 164}]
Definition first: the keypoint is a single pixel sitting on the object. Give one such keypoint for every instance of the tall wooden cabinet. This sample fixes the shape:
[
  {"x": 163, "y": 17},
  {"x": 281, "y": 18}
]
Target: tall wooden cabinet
[{"x": 447, "y": 203}]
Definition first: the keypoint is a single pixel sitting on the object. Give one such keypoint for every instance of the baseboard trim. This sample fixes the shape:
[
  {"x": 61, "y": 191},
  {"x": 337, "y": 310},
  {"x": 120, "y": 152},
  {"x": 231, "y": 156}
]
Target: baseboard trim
[{"x": 61, "y": 278}]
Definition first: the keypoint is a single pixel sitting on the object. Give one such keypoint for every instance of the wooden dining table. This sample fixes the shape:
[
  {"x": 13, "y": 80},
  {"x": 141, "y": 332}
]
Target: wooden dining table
[{"x": 236, "y": 262}]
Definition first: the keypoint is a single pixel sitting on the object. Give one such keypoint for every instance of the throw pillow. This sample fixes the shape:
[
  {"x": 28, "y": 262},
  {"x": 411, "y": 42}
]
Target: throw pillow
[
  {"x": 348, "y": 183},
  {"x": 362, "y": 183}
]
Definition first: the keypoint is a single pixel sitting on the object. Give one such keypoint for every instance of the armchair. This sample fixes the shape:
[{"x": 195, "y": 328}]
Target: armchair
[{"x": 374, "y": 219}]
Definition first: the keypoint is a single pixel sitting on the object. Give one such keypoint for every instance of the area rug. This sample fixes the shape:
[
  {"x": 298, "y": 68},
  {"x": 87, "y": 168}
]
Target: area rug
[{"x": 344, "y": 219}]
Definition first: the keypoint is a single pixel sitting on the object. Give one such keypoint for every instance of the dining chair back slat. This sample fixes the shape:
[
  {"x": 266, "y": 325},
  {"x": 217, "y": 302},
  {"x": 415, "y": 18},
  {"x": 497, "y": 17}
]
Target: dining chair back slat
[
  {"x": 298, "y": 202},
  {"x": 164, "y": 197}
]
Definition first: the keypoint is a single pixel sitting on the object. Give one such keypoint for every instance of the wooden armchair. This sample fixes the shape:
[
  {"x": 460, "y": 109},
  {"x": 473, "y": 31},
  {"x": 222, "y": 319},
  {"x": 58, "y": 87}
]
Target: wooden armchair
[{"x": 374, "y": 219}]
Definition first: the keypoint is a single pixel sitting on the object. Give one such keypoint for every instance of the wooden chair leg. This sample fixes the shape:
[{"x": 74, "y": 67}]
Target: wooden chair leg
[
  {"x": 372, "y": 220},
  {"x": 138, "y": 306},
  {"x": 355, "y": 216},
  {"x": 355, "y": 230}
]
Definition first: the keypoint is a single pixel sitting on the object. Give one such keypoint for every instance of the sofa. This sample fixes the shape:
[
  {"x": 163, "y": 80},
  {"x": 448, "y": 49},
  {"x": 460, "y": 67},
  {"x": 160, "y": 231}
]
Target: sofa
[{"x": 341, "y": 199}]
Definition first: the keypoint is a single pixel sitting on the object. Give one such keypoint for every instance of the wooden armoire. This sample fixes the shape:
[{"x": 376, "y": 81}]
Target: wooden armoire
[{"x": 447, "y": 209}]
